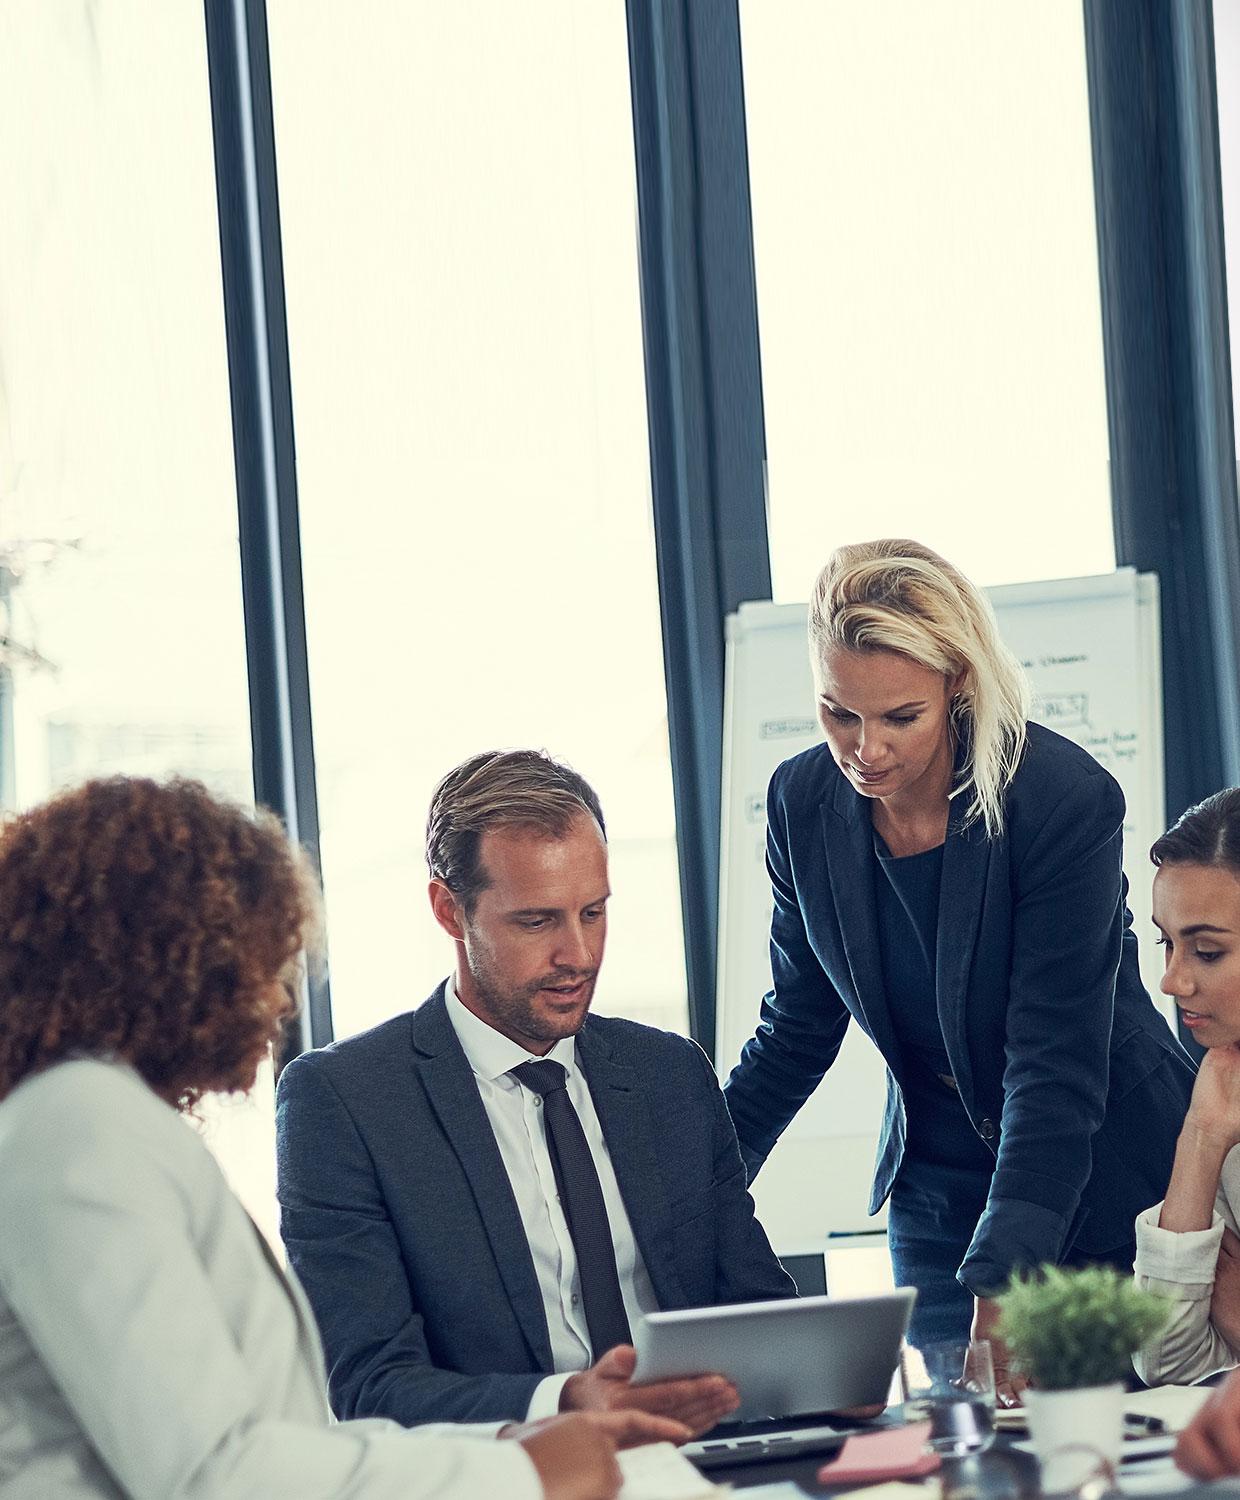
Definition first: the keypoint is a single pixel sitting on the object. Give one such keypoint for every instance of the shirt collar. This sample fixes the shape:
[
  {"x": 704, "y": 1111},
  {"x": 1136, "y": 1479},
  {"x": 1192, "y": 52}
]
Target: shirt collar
[{"x": 491, "y": 1054}]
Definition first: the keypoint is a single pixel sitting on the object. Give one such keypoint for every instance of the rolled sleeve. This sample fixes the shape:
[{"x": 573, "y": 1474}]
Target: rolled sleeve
[
  {"x": 1011, "y": 1233},
  {"x": 1179, "y": 1265},
  {"x": 1177, "y": 1258}
]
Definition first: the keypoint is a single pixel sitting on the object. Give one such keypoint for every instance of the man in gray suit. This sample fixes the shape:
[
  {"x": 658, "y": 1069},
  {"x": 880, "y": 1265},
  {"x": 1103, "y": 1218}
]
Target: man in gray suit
[{"x": 483, "y": 1195}]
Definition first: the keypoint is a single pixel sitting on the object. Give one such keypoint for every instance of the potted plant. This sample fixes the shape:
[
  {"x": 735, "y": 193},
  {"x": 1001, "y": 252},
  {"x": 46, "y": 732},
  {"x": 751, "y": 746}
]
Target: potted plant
[{"x": 1073, "y": 1334}]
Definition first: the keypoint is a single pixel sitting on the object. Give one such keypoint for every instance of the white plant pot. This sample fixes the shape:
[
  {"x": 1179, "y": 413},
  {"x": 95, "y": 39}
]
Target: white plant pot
[{"x": 1075, "y": 1433}]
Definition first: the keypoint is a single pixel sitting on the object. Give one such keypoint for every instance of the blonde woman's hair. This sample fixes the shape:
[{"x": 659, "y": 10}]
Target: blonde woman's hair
[{"x": 896, "y": 595}]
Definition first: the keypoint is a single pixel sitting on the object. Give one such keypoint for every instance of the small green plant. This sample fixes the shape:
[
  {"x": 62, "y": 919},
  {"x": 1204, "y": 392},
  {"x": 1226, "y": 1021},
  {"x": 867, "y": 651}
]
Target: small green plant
[{"x": 1070, "y": 1329}]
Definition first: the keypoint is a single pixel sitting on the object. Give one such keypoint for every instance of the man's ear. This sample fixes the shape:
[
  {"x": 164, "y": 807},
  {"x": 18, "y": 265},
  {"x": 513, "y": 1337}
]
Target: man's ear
[{"x": 446, "y": 910}]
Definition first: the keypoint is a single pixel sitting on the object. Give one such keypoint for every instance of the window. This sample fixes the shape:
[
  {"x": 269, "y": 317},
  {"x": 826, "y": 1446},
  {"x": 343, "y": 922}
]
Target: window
[
  {"x": 927, "y": 276},
  {"x": 1226, "y": 63},
  {"x": 119, "y": 570},
  {"x": 458, "y": 219}
]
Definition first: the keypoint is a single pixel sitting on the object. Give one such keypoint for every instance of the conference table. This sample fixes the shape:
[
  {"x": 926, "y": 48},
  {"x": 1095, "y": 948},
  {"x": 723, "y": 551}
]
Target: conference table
[{"x": 1002, "y": 1473}]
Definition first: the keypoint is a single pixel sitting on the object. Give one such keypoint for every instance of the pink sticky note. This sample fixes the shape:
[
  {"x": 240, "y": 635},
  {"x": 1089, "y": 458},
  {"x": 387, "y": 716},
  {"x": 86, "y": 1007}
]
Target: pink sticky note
[{"x": 891, "y": 1453}]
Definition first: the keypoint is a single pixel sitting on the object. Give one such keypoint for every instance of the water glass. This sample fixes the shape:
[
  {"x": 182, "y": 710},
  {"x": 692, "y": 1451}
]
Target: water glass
[{"x": 952, "y": 1386}]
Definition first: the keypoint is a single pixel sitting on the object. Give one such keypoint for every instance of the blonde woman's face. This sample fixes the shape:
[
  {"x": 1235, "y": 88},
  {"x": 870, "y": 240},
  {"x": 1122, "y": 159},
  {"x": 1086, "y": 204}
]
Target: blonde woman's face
[{"x": 885, "y": 718}]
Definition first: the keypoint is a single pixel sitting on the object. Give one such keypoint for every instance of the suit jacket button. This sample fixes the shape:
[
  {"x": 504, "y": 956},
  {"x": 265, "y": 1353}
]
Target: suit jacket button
[{"x": 987, "y": 1130}]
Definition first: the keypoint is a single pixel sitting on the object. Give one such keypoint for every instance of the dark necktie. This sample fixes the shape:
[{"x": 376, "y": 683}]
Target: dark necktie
[{"x": 581, "y": 1198}]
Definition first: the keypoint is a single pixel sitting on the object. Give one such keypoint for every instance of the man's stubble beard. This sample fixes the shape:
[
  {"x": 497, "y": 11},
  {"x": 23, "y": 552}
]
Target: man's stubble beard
[{"x": 516, "y": 1010}]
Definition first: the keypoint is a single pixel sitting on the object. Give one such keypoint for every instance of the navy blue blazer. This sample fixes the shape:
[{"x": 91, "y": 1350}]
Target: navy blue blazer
[
  {"x": 1067, "y": 1072},
  {"x": 400, "y": 1222}
]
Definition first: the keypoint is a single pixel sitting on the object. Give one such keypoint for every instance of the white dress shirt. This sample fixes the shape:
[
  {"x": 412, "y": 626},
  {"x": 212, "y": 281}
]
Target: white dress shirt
[
  {"x": 516, "y": 1117},
  {"x": 150, "y": 1346}
]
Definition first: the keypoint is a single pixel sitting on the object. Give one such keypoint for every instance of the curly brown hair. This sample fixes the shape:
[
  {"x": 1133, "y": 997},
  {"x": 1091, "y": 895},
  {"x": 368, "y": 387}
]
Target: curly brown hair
[{"x": 154, "y": 923}]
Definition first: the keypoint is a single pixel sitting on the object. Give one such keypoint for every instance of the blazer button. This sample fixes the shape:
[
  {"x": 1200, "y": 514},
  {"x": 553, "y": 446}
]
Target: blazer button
[{"x": 987, "y": 1130}]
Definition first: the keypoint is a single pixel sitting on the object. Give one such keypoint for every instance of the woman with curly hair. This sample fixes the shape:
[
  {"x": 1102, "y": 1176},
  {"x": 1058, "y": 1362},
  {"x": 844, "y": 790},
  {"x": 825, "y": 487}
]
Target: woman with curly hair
[{"x": 150, "y": 1345}]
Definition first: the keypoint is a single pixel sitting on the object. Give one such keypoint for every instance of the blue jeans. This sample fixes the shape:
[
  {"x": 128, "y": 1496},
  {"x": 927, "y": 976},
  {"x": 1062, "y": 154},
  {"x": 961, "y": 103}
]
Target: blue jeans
[{"x": 931, "y": 1216}]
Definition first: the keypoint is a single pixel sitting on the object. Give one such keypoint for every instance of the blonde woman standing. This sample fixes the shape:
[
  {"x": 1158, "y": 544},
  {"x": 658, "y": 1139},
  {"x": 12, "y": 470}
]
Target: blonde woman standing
[{"x": 948, "y": 875}]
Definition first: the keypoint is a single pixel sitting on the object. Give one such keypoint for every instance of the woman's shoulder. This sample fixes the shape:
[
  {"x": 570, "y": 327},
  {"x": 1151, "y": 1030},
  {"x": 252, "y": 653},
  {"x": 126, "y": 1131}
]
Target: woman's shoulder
[
  {"x": 1059, "y": 781},
  {"x": 79, "y": 1086},
  {"x": 84, "y": 1115},
  {"x": 1053, "y": 765}
]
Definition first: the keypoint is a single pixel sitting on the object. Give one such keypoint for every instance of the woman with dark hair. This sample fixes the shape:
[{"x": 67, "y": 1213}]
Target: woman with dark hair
[
  {"x": 1188, "y": 1246},
  {"x": 150, "y": 1345}
]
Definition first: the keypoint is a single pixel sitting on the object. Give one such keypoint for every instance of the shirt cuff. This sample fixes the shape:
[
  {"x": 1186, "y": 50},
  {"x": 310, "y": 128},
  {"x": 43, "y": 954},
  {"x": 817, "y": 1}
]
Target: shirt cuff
[
  {"x": 503, "y": 1468},
  {"x": 1185, "y": 1257},
  {"x": 454, "y": 1429},
  {"x": 545, "y": 1402},
  {"x": 1011, "y": 1235}
]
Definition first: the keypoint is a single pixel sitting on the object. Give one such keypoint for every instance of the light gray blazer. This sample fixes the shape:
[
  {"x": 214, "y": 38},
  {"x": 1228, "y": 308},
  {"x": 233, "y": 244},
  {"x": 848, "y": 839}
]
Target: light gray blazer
[{"x": 150, "y": 1345}]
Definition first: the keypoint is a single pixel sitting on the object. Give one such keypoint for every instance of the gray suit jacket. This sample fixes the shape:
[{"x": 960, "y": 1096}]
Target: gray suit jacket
[{"x": 401, "y": 1223}]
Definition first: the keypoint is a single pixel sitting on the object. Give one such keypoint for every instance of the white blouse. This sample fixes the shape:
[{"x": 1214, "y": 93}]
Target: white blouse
[{"x": 1180, "y": 1265}]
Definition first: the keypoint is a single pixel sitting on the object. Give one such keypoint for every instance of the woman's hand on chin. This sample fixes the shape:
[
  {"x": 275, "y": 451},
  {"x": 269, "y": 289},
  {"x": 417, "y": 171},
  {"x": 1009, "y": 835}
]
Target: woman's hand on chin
[{"x": 1215, "y": 1107}]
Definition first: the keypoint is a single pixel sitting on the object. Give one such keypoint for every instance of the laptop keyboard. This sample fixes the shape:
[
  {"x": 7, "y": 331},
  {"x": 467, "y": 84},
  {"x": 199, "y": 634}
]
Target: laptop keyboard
[{"x": 734, "y": 1442}]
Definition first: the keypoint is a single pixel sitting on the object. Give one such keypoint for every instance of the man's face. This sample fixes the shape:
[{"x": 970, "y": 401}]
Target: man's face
[{"x": 529, "y": 952}]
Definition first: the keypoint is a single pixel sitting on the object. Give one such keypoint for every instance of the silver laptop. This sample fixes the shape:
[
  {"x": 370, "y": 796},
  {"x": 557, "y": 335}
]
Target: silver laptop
[{"x": 792, "y": 1362}]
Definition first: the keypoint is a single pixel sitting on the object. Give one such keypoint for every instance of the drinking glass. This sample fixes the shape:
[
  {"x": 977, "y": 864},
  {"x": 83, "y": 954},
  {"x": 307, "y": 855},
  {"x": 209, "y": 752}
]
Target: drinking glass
[{"x": 952, "y": 1386}]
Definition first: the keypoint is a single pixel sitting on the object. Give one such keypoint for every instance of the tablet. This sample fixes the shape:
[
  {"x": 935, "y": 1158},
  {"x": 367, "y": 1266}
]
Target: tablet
[{"x": 786, "y": 1358}]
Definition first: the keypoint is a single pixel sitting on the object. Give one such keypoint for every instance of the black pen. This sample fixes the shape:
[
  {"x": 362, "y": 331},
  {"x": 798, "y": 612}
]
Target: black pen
[{"x": 1151, "y": 1426}]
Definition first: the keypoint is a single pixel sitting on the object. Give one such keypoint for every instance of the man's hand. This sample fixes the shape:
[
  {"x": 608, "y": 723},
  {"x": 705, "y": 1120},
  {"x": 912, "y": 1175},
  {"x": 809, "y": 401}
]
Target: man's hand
[
  {"x": 575, "y": 1456},
  {"x": 1225, "y": 1299},
  {"x": 1209, "y": 1446},
  {"x": 1009, "y": 1383},
  {"x": 607, "y": 1385}
]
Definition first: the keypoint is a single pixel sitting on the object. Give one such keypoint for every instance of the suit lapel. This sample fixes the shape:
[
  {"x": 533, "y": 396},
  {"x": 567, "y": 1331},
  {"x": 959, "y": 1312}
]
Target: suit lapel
[
  {"x": 616, "y": 1092},
  {"x": 848, "y": 839},
  {"x": 453, "y": 1093},
  {"x": 966, "y": 860}
]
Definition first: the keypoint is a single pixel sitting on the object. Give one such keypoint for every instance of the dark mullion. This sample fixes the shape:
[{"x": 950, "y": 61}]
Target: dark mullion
[
  {"x": 1154, "y": 127},
  {"x": 704, "y": 407},
  {"x": 262, "y": 413}
]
